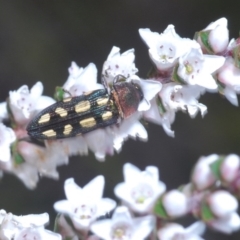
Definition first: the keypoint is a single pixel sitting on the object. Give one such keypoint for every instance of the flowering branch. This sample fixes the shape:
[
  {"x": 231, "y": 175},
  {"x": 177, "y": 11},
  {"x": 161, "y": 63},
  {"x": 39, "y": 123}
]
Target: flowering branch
[{"x": 183, "y": 70}]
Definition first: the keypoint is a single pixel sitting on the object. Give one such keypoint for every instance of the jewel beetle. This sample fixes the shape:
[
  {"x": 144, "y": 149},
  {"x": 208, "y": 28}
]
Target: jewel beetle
[{"x": 78, "y": 115}]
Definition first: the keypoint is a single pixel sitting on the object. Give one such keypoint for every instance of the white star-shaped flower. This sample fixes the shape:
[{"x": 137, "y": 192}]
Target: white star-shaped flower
[
  {"x": 119, "y": 64},
  {"x": 196, "y": 68},
  {"x": 26, "y": 227},
  {"x": 84, "y": 205},
  {"x": 165, "y": 119},
  {"x": 123, "y": 226},
  {"x": 174, "y": 231},
  {"x": 183, "y": 97},
  {"x": 140, "y": 189},
  {"x": 165, "y": 48},
  {"x": 24, "y": 103},
  {"x": 81, "y": 80}
]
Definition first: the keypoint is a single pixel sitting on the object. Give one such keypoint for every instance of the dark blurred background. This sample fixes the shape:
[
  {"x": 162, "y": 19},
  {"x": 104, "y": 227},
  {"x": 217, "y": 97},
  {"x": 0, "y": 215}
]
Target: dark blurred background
[{"x": 38, "y": 41}]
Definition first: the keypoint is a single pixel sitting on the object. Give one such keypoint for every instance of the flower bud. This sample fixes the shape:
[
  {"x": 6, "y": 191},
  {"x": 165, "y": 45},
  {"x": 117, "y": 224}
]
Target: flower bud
[
  {"x": 215, "y": 37},
  {"x": 230, "y": 167},
  {"x": 173, "y": 204},
  {"x": 222, "y": 203},
  {"x": 202, "y": 176}
]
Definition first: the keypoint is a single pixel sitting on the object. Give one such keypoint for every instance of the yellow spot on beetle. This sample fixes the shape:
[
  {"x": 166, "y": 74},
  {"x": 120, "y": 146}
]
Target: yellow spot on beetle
[
  {"x": 61, "y": 111},
  {"x": 67, "y": 129},
  {"x": 102, "y": 101},
  {"x": 82, "y": 106},
  {"x": 106, "y": 115},
  {"x": 68, "y": 99},
  {"x": 88, "y": 122},
  {"x": 44, "y": 118},
  {"x": 49, "y": 133}
]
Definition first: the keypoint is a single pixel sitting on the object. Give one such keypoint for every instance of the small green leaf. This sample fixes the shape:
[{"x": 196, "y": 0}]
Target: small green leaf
[
  {"x": 204, "y": 38},
  {"x": 221, "y": 86},
  {"x": 175, "y": 76},
  {"x": 215, "y": 167},
  {"x": 236, "y": 56},
  {"x": 161, "y": 108},
  {"x": 17, "y": 158},
  {"x": 56, "y": 225},
  {"x": 59, "y": 93},
  {"x": 159, "y": 210},
  {"x": 206, "y": 213}
]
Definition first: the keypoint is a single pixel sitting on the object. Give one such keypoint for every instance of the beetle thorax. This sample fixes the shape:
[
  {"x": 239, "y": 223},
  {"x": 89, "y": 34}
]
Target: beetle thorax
[{"x": 127, "y": 97}]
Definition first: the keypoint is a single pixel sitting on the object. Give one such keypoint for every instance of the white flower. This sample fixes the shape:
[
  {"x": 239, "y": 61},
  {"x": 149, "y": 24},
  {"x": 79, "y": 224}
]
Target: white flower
[
  {"x": 228, "y": 224},
  {"x": 165, "y": 118},
  {"x": 70, "y": 146},
  {"x": 175, "y": 203},
  {"x": 37, "y": 234},
  {"x": 27, "y": 173},
  {"x": 165, "y": 48},
  {"x": 122, "y": 226},
  {"x": 196, "y": 68},
  {"x": 24, "y": 103},
  {"x": 46, "y": 160},
  {"x": 7, "y": 226},
  {"x": 119, "y": 64},
  {"x": 25, "y": 227},
  {"x": 229, "y": 75},
  {"x": 29, "y": 160},
  {"x": 149, "y": 89},
  {"x": 140, "y": 189},
  {"x": 100, "y": 141},
  {"x": 183, "y": 97},
  {"x": 126, "y": 68},
  {"x": 84, "y": 205},
  {"x": 218, "y": 35},
  {"x": 174, "y": 231},
  {"x": 81, "y": 80},
  {"x": 7, "y": 137},
  {"x": 202, "y": 176},
  {"x": 130, "y": 127},
  {"x": 3, "y": 111}
]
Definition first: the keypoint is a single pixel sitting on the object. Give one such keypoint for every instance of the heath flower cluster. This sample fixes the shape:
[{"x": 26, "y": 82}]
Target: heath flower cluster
[{"x": 183, "y": 70}]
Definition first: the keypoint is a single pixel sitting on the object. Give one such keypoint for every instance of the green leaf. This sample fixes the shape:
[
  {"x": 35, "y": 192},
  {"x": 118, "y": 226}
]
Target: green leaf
[
  {"x": 17, "y": 158},
  {"x": 215, "y": 167},
  {"x": 206, "y": 213},
  {"x": 56, "y": 227},
  {"x": 221, "y": 86},
  {"x": 59, "y": 93},
  {"x": 159, "y": 209},
  {"x": 204, "y": 38},
  {"x": 236, "y": 56},
  {"x": 175, "y": 76},
  {"x": 161, "y": 108}
]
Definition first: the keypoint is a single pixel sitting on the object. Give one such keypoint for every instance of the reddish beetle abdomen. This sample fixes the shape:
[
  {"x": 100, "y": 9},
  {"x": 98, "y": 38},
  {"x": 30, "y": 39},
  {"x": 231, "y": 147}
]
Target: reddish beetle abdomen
[{"x": 127, "y": 96}]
